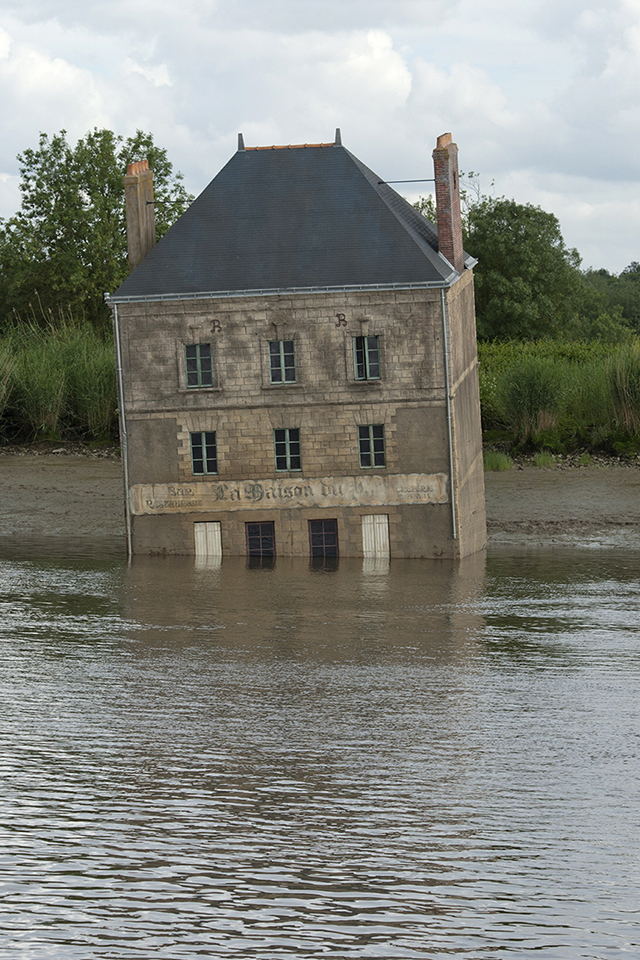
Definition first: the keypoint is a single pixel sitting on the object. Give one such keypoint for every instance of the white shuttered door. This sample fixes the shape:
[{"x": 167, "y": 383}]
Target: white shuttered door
[
  {"x": 375, "y": 535},
  {"x": 208, "y": 539}
]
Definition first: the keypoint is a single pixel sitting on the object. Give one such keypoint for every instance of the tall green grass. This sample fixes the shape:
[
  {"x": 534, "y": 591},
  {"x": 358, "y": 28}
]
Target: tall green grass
[
  {"x": 57, "y": 382},
  {"x": 623, "y": 374},
  {"x": 561, "y": 396},
  {"x": 497, "y": 460},
  {"x": 7, "y": 366}
]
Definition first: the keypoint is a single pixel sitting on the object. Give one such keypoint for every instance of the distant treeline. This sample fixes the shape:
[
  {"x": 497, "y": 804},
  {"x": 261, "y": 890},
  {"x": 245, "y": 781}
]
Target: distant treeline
[{"x": 529, "y": 285}]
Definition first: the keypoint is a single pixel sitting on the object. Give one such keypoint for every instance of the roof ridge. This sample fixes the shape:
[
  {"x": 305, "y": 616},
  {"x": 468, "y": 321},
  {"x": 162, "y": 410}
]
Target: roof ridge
[{"x": 291, "y": 146}]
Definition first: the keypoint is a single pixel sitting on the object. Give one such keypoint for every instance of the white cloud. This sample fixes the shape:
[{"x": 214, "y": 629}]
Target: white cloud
[
  {"x": 45, "y": 93},
  {"x": 601, "y": 220},
  {"x": 5, "y": 44},
  {"x": 156, "y": 75},
  {"x": 531, "y": 91},
  {"x": 284, "y": 17},
  {"x": 464, "y": 94}
]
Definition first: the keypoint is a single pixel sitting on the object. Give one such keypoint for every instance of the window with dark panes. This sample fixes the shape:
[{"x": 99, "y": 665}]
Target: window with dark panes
[
  {"x": 261, "y": 541},
  {"x": 204, "y": 457},
  {"x": 282, "y": 361},
  {"x": 199, "y": 365},
  {"x": 287, "y": 448},
  {"x": 371, "y": 445},
  {"x": 366, "y": 358},
  {"x": 323, "y": 538}
]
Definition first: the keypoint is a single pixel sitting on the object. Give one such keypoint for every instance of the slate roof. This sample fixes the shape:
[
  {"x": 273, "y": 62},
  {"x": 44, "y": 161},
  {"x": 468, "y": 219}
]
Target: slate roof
[{"x": 291, "y": 219}]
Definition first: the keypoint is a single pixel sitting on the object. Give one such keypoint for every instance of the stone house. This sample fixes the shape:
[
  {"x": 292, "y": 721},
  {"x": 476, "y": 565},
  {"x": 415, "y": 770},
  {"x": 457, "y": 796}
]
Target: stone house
[{"x": 297, "y": 365}]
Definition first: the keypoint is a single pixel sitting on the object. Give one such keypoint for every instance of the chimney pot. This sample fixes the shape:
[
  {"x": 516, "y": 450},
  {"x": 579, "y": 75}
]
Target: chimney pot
[
  {"x": 133, "y": 169},
  {"x": 444, "y": 140}
]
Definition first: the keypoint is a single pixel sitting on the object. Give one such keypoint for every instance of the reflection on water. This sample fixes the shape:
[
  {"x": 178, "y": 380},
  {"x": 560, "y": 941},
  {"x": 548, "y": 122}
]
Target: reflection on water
[{"x": 396, "y": 760}]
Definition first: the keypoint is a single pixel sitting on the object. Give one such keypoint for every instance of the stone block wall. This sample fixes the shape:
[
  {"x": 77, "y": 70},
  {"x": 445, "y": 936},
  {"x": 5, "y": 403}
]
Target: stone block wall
[{"x": 322, "y": 326}]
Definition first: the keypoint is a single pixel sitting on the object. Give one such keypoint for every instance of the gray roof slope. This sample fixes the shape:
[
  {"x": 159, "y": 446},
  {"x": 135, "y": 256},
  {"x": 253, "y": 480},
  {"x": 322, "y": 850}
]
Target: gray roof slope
[{"x": 291, "y": 218}]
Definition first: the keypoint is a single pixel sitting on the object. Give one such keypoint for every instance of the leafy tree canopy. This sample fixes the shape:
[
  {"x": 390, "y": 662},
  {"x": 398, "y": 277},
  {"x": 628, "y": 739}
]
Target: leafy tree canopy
[
  {"x": 621, "y": 292},
  {"x": 67, "y": 244},
  {"x": 529, "y": 284}
]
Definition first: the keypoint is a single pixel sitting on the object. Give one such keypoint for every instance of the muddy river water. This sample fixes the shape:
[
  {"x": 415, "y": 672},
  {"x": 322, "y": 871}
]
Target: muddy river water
[{"x": 416, "y": 760}]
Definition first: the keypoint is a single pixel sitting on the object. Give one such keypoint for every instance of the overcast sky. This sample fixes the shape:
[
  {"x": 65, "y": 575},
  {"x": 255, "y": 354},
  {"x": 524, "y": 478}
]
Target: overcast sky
[{"x": 542, "y": 96}]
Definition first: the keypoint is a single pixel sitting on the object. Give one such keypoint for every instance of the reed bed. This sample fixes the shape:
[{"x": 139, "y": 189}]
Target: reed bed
[
  {"x": 57, "y": 382},
  {"x": 561, "y": 396}
]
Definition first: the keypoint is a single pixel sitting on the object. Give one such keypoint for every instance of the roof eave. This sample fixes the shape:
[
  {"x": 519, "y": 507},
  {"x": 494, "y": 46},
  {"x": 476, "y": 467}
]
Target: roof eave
[{"x": 279, "y": 291}]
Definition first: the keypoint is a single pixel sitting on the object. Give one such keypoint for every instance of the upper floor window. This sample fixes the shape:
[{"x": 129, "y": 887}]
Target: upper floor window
[
  {"x": 199, "y": 364},
  {"x": 371, "y": 445},
  {"x": 204, "y": 456},
  {"x": 282, "y": 362},
  {"x": 366, "y": 358},
  {"x": 287, "y": 448}
]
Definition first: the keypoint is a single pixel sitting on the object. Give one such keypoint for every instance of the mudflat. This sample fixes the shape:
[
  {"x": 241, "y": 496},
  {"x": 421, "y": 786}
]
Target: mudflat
[
  {"x": 71, "y": 494},
  {"x": 591, "y": 505},
  {"x": 61, "y": 495}
]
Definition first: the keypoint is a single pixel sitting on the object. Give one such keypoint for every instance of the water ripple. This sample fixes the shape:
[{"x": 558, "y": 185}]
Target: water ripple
[{"x": 421, "y": 761}]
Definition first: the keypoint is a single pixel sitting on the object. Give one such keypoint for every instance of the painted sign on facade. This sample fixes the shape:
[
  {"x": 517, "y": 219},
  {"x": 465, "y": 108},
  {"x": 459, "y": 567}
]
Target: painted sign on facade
[{"x": 214, "y": 495}]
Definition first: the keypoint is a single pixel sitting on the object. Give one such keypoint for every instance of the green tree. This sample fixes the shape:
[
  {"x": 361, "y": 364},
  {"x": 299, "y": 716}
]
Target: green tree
[
  {"x": 620, "y": 293},
  {"x": 67, "y": 244},
  {"x": 528, "y": 283}
]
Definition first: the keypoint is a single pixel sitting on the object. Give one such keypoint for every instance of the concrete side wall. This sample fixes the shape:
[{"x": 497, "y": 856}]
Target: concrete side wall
[
  {"x": 466, "y": 421},
  {"x": 463, "y": 349},
  {"x": 470, "y": 503}
]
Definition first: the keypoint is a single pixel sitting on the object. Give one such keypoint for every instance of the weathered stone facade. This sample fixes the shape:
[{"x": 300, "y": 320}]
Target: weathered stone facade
[{"x": 424, "y": 435}]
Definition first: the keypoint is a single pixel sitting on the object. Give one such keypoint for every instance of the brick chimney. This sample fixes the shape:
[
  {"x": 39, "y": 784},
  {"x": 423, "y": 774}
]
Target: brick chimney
[
  {"x": 140, "y": 214},
  {"x": 445, "y": 165}
]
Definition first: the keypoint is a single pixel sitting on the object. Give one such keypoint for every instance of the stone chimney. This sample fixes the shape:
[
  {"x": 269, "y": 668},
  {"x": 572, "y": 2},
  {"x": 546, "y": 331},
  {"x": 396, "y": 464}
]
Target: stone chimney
[
  {"x": 140, "y": 214},
  {"x": 445, "y": 165}
]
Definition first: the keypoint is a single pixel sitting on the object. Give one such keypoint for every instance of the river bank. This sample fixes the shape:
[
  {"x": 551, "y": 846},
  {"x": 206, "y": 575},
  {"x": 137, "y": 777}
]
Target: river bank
[{"x": 74, "y": 491}]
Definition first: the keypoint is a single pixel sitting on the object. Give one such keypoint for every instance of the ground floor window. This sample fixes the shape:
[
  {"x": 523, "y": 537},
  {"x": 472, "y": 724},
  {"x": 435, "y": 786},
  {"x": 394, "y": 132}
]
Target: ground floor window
[
  {"x": 323, "y": 538},
  {"x": 261, "y": 540},
  {"x": 204, "y": 457},
  {"x": 375, "y": 535}
]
